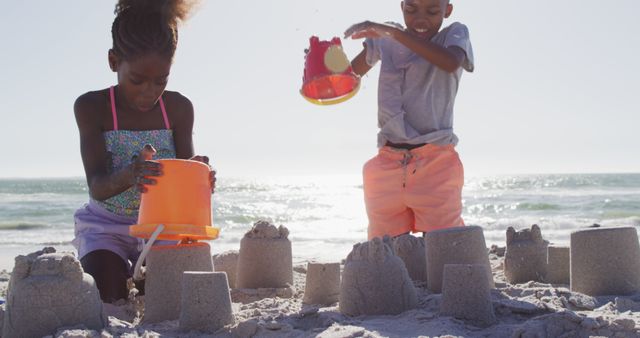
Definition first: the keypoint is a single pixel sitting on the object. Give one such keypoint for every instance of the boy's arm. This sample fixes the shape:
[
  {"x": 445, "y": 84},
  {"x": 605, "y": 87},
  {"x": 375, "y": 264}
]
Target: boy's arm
[
  {"x": 448, "y": 59},
  {"x": 359, "y": 63}
]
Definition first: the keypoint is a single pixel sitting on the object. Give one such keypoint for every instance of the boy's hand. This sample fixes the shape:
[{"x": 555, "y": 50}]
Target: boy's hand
[
  {"x": 142, "y": 169},
  {"x": 212, "y": 174},
  {"x": 369, "y": 29}
]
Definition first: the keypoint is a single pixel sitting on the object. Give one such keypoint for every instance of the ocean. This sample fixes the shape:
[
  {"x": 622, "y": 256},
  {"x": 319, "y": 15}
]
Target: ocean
[{"x": 326, "y": 215}]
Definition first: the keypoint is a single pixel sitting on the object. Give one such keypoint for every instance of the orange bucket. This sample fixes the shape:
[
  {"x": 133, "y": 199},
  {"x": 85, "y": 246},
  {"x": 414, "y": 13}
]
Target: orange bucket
[
  {"x": 328, "y": 76},
  {"x": 180, "y": 200}
]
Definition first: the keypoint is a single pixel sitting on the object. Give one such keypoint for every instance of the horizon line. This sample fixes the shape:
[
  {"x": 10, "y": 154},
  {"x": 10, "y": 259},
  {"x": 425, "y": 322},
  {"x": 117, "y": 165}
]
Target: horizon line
[{"x": 345, "y": 175}]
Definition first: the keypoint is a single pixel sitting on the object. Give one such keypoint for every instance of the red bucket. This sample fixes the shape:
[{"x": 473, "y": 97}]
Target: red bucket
[{"x": 328, "y": 76}]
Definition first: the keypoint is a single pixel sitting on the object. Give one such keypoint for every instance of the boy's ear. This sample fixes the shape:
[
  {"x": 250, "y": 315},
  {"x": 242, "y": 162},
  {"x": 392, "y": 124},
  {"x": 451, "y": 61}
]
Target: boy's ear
[
  {"x": 113, "y": 61},
  {"x": 448, "y": 10}
]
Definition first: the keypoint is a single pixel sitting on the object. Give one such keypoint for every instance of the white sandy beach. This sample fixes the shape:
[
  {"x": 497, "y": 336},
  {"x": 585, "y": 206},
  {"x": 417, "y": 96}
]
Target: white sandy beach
[{"x": 524, "y": 310}]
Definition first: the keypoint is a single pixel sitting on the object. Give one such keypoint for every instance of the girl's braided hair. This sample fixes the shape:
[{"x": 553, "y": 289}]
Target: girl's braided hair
[{"x": 148, "y": 26}]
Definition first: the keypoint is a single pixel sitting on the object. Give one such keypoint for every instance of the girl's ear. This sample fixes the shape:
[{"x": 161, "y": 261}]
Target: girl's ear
[
  {"x": 448, "y": 11},
  {"x": 113, "y": 61}
]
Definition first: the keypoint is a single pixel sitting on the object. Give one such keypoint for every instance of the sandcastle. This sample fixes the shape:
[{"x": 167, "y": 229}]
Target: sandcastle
[
  {"x": 459, "y": 245},
  {"x": 165, "y": 267},
  {"x": 466, "y": 294},
  {"x": 526, "y": 256},
  {"x": 558, "y": 265},
  {"x": 412, "y": 252},
  {"x": 322, "y": 284},
  {"x": 206, "y": 304},
  {"x": 605, "y": 261},
  {"x": 49, "y": 290},
  {"x": 375, "y": 282},
  {"x": 227, "y": 262},
  {"x": 265, "y": 259}
]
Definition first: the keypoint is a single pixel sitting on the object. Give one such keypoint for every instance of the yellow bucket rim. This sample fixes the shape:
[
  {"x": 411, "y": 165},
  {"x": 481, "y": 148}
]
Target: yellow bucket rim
[
  {"x": 335, "y": 100},
  {"x": 175, "y": 231}
]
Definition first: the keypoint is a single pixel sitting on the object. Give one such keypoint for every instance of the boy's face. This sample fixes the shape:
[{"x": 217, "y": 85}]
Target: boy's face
[{"x": 423, "y": 18}]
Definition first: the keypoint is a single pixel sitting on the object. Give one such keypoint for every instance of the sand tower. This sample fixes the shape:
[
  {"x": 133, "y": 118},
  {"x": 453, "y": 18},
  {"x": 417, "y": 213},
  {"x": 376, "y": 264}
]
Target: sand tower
[
  {"x": 375, "y": 282},
  {"x": 49, "y": 290},
  {"x": 206, "y": 303},
  {"x": 165, "y": 268},
  {"x": 412, "y": 252},
  {"x": 526, "y": 256},
  {"x": 466, "y": 294},
  {"x": 605, "y": 261},
  {"x": 558, "y": 265},
  {"x": 227, "y": 262},
  {"x": 323, "y": 283},
  {"x": 459, "y": 245},
  {"x": 265, "y": 259}
]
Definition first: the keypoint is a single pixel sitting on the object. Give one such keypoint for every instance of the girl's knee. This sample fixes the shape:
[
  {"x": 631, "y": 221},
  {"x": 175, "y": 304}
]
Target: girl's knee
[{"x": 109, "y": 272}]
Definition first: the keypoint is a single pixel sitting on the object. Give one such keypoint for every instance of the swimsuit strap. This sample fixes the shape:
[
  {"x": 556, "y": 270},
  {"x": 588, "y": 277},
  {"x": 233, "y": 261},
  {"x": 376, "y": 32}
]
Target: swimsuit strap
[
  {"x": 164, "y": 114},
  {"x": 115, "y": 116},
  {"x": 113, "y": 109}
]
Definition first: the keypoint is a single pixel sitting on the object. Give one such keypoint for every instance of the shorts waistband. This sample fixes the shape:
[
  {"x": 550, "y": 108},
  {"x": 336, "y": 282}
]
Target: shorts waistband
[
  {"x": 406, "y": 146},
  {"x": 420, "y": 151},
  {"x": 97, "y": 209}
]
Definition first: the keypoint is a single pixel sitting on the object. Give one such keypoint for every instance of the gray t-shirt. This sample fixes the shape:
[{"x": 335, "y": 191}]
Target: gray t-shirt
[{"x": 415, "y": 98}]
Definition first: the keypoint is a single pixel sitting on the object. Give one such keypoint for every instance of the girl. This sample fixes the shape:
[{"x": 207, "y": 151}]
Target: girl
[{"x": 121, "y": 129}]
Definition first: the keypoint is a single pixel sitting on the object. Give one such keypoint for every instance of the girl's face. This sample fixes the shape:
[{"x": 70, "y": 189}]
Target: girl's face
[
  {"x": 142, "y": 80},
  {"x": 423, "y": 18}
]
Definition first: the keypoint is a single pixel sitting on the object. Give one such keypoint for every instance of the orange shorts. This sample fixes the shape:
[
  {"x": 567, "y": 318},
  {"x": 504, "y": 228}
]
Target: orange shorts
[{"x": 418, "y": 190}]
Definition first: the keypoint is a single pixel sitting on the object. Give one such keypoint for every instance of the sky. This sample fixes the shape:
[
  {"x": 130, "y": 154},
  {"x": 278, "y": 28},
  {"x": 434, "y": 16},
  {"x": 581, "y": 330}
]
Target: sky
[{"x": 555, "y": 88}]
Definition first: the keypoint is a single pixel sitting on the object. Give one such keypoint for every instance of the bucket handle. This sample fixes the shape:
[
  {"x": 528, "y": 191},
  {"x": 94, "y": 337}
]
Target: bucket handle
[{"x": 137, "y": 275}]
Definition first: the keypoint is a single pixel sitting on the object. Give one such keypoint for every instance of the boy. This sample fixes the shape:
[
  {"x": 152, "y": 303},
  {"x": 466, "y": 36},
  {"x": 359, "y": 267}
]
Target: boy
[{"x": 415, "y": 182}]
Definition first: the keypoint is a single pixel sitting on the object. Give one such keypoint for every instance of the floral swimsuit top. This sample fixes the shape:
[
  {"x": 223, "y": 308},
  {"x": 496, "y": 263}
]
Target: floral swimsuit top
[{"x": 123, "y": 146}]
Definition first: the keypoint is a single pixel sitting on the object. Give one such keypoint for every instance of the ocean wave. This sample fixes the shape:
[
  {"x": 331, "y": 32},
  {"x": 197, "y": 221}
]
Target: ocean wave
[
  {"x": 351, "y": 239},
  {"x": 538, "y": 206},
  {"x": 22, "y": 226},
  {"x": 633, "y": 221},
  {"x": 35, "y": 243},
  {"x": 554, "y": 181},
  {"x": 558, "y": 223},
  {"x": 629, "y": 204},
  {"x": 511, "y": 208},
  {"x": 55, "y": 243},
  {"x": 63, "y": 186}
]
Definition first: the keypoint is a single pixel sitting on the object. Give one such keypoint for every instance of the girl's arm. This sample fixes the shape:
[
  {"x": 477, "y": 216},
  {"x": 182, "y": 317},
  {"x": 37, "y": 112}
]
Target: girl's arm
[
  {"x": 181, "y": 110},
  {"x": 95, "y": 159},
  {"x": 183, "y": 132}
]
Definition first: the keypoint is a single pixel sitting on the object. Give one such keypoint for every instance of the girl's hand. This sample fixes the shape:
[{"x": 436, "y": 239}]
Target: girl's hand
[
  {"x": 212, "y": 174},
  {"x": 369, "y": 29},
  {"x": 142, "y": 169}
]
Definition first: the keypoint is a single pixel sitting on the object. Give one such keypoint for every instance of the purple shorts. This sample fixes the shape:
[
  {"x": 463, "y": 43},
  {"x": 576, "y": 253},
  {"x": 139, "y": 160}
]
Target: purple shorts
[{"x": 99, "y": 229}]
